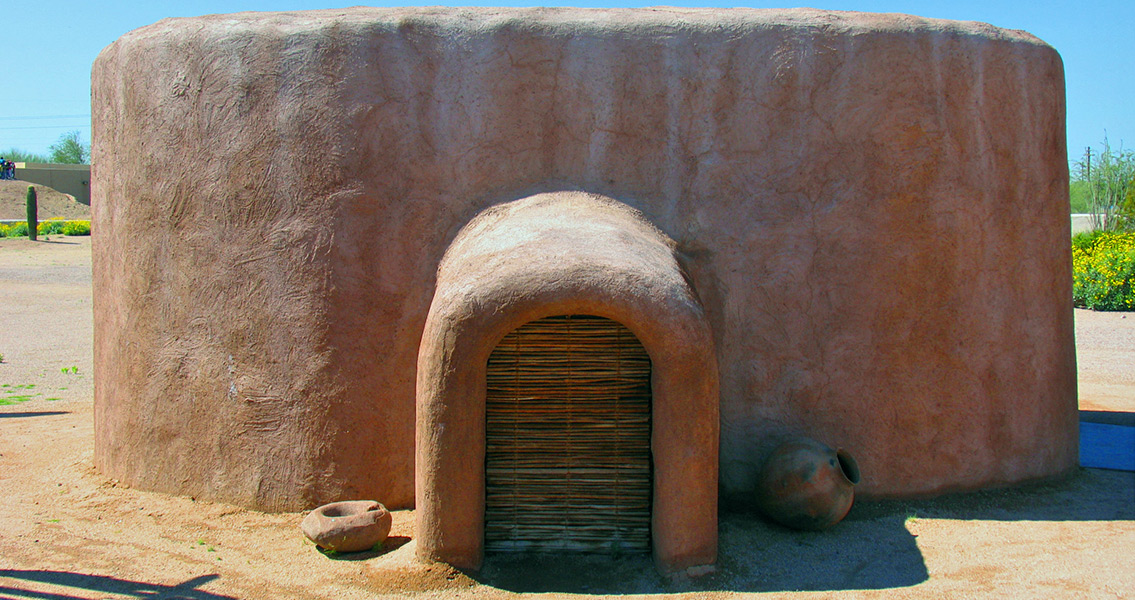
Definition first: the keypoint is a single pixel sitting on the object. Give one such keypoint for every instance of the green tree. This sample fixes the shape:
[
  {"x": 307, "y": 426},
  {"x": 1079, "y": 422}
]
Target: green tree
[
  {"x": 1079, "y": 197},
  {"x": 1127, "y": 209},
  {"x": 70, "y": 149},
  {"x": 1108, "y": 176},
  {"x": 17, "y": 155}
]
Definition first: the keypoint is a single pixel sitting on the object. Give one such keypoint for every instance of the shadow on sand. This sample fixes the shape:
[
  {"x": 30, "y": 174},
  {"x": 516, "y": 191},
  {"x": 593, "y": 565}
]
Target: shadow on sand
[
  {"x": 43, "y": 240},
  {"x": 871, "y": 549},
  {"x": 1104, "y": 417},
  {"x": 103, "y": 585},
  {"x": 389, "y": 545},
  {"x": 754, "y": 556},
  {"x": 42, "y": 413}
]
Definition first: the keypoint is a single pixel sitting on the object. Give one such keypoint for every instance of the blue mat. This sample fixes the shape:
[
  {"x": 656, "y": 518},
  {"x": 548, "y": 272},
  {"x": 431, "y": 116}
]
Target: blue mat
[{"x": 1105, "y": 446}]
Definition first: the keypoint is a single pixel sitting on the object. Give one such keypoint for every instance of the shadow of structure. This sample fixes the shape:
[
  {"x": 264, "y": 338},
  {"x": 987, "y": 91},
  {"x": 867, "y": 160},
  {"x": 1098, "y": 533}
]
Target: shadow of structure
[
  {"x": 61, "y": 242},
  {"x": 186, "y": 590},
  {"x": 1083, "y": 495},
  {"x": 753, "y": 556},
  {"x": 391, "y": 544},
  {"x": 42, "y": 413},
  {"x": 1106, "y": 417},
  {"x": 870, "y": 549}
]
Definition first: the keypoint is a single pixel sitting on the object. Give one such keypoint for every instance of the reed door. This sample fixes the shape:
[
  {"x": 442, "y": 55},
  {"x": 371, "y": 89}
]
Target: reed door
[{"x": 567, "y": 465}]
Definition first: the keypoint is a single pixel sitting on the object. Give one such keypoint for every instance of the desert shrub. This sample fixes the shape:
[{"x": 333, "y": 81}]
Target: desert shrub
[
  {"x": 77, "y": 228},
  {"x": 50, "y": 227},
  {"x": 1103, "y": 270},
  {"x": 1104, "y": 178},
  {"x": 55, "y": 226},
  {"x": 1079, "y": 197},
  {"x": 1086, "y": 240}
]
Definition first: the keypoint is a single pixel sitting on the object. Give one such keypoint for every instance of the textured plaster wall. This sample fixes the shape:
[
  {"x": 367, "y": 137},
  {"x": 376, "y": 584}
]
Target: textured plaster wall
[{"x": 872, "y": 209}]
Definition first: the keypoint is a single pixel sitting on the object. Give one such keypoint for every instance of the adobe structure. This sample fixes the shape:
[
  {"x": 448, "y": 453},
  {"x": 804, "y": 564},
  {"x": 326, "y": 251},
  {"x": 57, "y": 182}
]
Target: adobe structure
[{"x": 330, "y": 246}]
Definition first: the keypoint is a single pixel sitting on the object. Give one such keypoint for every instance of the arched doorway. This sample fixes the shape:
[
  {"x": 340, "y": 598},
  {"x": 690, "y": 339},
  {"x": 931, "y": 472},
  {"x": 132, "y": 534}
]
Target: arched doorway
[
  {"x": 564, "y": 253},
  {"x": 567, "y": 433}
]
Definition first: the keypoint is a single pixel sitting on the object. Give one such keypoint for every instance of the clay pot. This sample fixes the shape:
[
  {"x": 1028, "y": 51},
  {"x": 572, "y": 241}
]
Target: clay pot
[
  {"x": 351, "y": 526},
  {"x": 806, "y": 485}
]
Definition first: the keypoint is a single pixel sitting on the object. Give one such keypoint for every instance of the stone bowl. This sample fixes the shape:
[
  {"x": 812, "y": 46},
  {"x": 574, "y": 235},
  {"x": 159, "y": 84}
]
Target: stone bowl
[{"x": 351, "y": 526}]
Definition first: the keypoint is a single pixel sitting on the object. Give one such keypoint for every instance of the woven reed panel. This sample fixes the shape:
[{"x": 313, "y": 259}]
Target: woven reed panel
[{"x": 567, "y": 464}]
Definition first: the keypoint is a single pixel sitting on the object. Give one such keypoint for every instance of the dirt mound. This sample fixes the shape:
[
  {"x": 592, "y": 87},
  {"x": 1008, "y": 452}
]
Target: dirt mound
[{"x": 51, "y": 203}]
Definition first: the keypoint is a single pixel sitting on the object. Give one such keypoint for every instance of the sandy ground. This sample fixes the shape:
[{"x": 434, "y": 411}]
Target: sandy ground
[
  {"x": 1105, "y": 359},
  {"x": 68, "y": 532}
]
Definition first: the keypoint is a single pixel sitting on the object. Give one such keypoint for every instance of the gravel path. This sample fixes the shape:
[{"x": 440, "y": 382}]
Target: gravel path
[
  {"x": 45, "y": 312},
  {"x": 1105, "y": 360}
]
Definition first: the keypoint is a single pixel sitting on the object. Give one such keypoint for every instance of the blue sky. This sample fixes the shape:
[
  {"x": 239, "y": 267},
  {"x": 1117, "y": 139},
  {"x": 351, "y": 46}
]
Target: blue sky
[{"x": 48, "y": 48}]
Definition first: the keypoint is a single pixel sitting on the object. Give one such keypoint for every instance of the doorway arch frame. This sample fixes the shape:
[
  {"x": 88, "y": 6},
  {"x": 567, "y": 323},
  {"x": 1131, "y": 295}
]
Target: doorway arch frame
[{"x": 555, "y": 254}]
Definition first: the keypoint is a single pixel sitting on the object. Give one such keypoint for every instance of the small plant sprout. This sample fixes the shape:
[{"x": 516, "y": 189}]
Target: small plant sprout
[{"x": 12, "y": 397}]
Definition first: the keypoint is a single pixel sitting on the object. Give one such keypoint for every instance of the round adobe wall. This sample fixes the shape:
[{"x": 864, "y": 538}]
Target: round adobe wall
[{"x": 871, "y": 208}]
